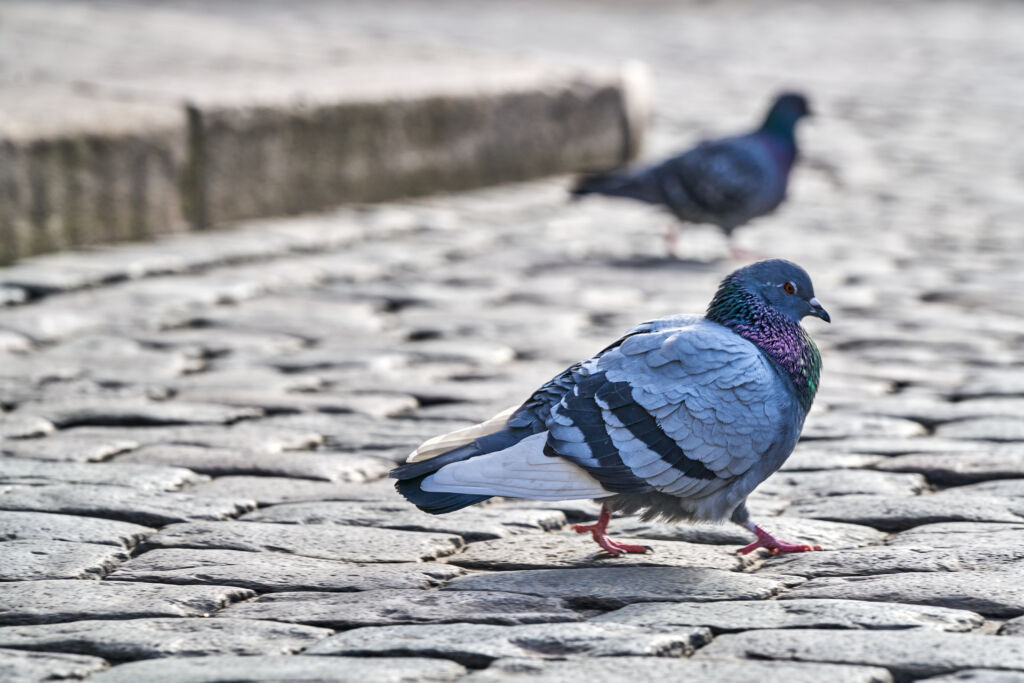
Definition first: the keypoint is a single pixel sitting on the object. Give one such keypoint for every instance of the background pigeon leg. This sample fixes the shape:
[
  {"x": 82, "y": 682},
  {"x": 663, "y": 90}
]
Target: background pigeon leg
[
  {"x": 671, "y": 239},
  {"x": 772, "y": 544},
  {"x": 599, "y": 530}
]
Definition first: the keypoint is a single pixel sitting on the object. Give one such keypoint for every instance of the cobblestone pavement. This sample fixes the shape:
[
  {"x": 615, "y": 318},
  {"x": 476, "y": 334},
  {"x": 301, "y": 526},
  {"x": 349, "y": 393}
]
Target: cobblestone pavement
[{"x": 196, "y": 431}]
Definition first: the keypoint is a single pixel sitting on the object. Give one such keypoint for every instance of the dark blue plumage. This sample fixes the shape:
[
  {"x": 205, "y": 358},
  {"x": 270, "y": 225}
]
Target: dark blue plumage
[{"x": 725, "y": 182}]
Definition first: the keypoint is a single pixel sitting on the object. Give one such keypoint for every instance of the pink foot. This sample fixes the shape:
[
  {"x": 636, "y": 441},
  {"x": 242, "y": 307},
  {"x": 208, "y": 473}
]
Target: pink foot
[
  {"x": 741, "y": 254},
  {"x": 774, "y": 545},
  {"x": 599, "y": 530}
]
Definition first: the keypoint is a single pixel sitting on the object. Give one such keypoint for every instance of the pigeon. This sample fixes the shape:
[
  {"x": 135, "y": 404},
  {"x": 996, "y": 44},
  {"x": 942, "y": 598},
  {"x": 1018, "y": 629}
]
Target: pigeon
[
  {"x": 680, "y": 419},
  {"x": 725, "y": 182}
]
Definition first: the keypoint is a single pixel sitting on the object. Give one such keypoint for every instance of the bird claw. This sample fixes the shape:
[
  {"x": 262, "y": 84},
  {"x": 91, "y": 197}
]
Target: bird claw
[
  {"x": 774, "y": 545},
  {"x": 599, "y": 531}
]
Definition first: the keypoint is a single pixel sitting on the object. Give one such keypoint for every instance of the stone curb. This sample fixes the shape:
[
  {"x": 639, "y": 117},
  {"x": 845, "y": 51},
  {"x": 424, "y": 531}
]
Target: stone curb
[{"x": 128, "y": 161}]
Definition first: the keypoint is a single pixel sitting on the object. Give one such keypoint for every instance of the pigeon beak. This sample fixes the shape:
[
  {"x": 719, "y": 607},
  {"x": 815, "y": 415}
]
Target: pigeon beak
[{"x": 818, "y": 311}]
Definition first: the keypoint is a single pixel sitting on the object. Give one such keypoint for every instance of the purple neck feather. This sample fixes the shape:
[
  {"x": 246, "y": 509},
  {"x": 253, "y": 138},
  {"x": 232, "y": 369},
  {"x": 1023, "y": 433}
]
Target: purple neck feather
[{"x": 782, "y": 340}]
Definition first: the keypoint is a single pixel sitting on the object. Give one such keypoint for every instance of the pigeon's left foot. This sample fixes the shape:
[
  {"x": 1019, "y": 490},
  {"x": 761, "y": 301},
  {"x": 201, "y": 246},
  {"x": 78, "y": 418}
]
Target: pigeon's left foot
[
  {"x": 599, "y": 530},
  {"x": 740, "y": 254},
  {"x": 671, "y": 240},
  {"x": 774, "y": 545}
]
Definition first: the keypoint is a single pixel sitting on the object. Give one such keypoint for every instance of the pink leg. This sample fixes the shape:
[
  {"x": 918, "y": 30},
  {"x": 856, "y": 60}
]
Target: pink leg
[
  {"x": 774, "y": 545},
  {"x": 599, "y": 530},
  {"x": 741, "y": 254},
  {"x": 671, "y": 238}
]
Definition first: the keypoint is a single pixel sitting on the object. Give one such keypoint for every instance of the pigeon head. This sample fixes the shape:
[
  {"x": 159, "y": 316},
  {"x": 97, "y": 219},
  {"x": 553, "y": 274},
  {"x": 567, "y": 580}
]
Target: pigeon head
[
  {"x": 764, "y": 303},
  {"x": 786, "y": 110},
  {"x": 786, "y": 287},
  {"x": 777, "y": 284}
]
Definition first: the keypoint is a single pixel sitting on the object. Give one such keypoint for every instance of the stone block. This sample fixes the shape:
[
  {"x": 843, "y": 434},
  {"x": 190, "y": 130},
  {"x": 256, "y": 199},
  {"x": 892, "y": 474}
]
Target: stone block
[
  {"x": 267, "y": 572},
  {"x": 47, "y": 602},
  {"x": 79, "y": 169},
  {"x": 397, "y": 606}
]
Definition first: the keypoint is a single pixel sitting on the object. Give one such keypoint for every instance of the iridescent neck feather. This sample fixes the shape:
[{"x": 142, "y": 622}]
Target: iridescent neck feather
[{"x": 783, "y": 340}]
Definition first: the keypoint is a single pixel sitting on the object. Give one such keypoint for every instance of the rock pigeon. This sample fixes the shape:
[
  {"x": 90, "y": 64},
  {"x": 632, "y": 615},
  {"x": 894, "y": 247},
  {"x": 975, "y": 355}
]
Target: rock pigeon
[
  {"x": 725, "y": 182},
  {"x": 680, "y": 419}
]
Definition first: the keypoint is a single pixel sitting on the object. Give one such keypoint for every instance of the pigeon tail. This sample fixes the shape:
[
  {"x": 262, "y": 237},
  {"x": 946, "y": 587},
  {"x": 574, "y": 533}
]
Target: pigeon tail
[
  {"x": 435, "y": 502},
  {"x": 456, "y": 446},
  {"x": 637, "y": 185}
]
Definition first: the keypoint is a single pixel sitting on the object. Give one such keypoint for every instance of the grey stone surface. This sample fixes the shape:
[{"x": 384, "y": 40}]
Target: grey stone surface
[
  {"x": 324, "y": 465},
  {"x": 913, "y": 654},
  {"x": 17, "y": 665},
  {"x": 142, "y": 477},
  {"x": 992, "y": 593},
  {"x": 329, "y": 542},
  {"x": 999, "y": 488},
  {"x": 959, "y": 536},
  {"x": 893, "y": 560},
  {"x": 475, "y": 523},
  {"x": 1013, "y": 627},
  {"x": 267, "y": 572},
  {"x": 215, "y": 669},
  {"x": 274, "y": 490},
  {"x": 829, "y": 535},
  {"x": 390, "y": 607},
  {"x": 611, "y": 587},
  {"x": 132, "y": 639},
  {"x": 70, "y": 446},
  {"x": 838, "y": 425},
  {"x": 984, "y": 428},
  {"x": 665, "y": 668},
  {"x": 803, "y": 485},
  {"x": 568, "y": 549},
  {"x": 251, "y": 435},
  {"x": 476, "y": 645},
  {"x": 45, "y": 602},
  {"x": 93, "y": 411},
  {"x": 28, "y": 560},
  {"x": 23, "y": 426},
  {"x": 811, "y": 459},
  {"x": 895, "y": 514},
  {"x": 979, "y": 676},
  {"x": 960, "y": 468},
  {"x": 729, "y": 617},
  {"x": 46, "y": 526},
  {"x": 121, "y": 503}
]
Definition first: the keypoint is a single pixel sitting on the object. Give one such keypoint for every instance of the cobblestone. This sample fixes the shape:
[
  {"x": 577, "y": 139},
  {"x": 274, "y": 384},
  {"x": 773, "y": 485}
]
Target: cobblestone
[
  {"x": 661, "y": 668},
  {"x": 730, "y": 617},
  {"x": 915, "y": 654},
  {"x": 477, "y": 645},
  {"x": 202, "y": 426},
  {"x": 390, "y": 607},
  {"x": 151, "y": 638},
  {"x": 44, "y": 602},
  {"x": 273, "y": 572}
]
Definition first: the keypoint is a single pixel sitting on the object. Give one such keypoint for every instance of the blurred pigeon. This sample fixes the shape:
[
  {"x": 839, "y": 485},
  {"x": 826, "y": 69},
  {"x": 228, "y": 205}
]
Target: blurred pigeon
[
  {"x": 680, "y": 419},
  {"x": 724, "y": 182}
]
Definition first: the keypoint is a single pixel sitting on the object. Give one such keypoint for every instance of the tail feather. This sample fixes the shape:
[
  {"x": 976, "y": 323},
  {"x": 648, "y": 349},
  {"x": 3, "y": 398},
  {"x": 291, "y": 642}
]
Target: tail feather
[
  {"x": 463, "y": 444},
  {"x": 436, "y": 503},
  {"x": 633, "y": 185},
  {"x": 439, "y": 445}
]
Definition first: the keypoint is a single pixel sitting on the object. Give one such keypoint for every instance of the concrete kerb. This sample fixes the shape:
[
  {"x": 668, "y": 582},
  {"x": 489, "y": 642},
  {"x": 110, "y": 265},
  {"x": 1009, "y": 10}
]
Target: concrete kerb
[{"x": 131, "y": 160}]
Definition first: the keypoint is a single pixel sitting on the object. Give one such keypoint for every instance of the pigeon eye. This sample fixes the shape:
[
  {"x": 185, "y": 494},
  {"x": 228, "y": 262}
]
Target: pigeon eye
[{"x": 790, "y": 288}]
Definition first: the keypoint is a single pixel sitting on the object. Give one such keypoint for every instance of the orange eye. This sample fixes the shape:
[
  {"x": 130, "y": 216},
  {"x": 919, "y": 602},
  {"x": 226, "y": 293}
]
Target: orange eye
[{"x": 790, "y": 288}]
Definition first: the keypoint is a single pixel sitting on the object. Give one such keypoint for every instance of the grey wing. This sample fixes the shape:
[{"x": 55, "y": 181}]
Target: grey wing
[
  {"x": 536, "y": 410},
  {"x": 682, "y": 411},
  {"x": 718, "y": 181}
]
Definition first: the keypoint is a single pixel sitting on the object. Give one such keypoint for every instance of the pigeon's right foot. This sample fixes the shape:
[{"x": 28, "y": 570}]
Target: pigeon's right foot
[
  {"x": 599, "y": 530},
  {"x": 773, "y": 545}
]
